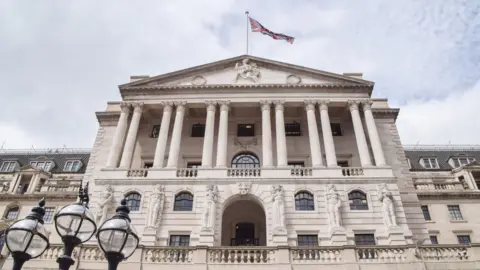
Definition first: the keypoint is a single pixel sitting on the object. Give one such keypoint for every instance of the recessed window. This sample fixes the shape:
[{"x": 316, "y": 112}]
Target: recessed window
[
  {"x": 364, "y": 239},
  {"x": 198, "y": 130},
  {"x": 245, "y": 130},
  {"x": 433, "y": 239},
  {"x": 72, "y": 166},
  {"x": 183, "y": 202},
  {"x": 133, "y": 201},
  {"x": 12, "y": 213},
  {"x": 155, "y": 131},
  {"x": 358, "y": 200},
  {"x": 49, "y": 212},
  {"x": 245, "y": 160},
  {"x": 8, "y": 166},
  {"x": 464, "y": 239},
  {"x": 342, "y": 163},
  {"x": 292, "y": 129},
  {"x": 426, "y": 212},
  {"x": 147, "y": 164},
  {"x": 304, "y": 201},
  {"x": 179, "y": 240},
  {"x": 310, "y": 240},
  {"x": 430, "y": 163},
  {"x": 462, "y": 161},
  {"x": 42, "y": 165},
  {"x": 454, "y": 212},
  {"x": 336, "y": 129}
]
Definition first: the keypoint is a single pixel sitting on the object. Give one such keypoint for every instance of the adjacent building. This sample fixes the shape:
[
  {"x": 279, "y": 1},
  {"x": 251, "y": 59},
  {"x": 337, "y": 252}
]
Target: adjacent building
[{"x": 258, "y": 163}]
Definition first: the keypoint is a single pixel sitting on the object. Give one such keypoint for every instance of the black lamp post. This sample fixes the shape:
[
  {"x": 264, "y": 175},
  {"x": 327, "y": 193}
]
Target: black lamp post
[
  {"x": 117, "y": 237},
  {"x": 75, "y": 224},
  {"x": 27, "y": 238}
]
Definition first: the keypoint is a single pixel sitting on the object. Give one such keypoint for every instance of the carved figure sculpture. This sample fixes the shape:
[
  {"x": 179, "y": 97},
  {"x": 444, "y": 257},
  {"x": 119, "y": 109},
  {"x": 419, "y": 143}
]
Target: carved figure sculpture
[
  {"x": 104, "y": 205},
  {"x": 210, "y": 208},
  {"x": 333, "y": 206},
  {"x": 6, "y": 186},
  {"x": 278, "y": 208},
  {"x": 388, "y": 212},
  {"x": 244, "y": 188},
  {"x": 157, "y": 200},
  {"x": 247, "y": 71}
]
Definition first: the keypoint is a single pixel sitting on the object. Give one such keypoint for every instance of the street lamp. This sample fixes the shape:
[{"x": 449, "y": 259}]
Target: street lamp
[
  {"x": 117, "y": 237},
  {"x": 75, "y": 224},
  {"x": 27, "y": 238}
]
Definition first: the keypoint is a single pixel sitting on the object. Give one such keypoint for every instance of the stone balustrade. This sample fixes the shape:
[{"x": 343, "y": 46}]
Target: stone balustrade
[
  {"x": 315, "y": 255},
  {"x": 382, "y": 254},
  {"x": 439, "y": 186},
  {"x": 187, "y": 172},
  {"x": 57, "y": 185},
  {"x": 243, "y": 172},
  {"x": 137, "y": 173},
  {"x": 172, "y": 255},
  {"x": 301, "y": 172},
  {"x": 352, "y": 171}
]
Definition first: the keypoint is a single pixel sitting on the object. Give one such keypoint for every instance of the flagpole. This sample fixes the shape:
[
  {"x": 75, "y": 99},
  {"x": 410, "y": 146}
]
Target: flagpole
[{"x": 246, "y": 13}]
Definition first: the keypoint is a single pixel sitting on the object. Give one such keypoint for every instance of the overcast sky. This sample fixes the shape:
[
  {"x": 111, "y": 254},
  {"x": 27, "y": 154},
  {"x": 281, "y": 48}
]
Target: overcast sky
[{"x": 60, "y": 61}]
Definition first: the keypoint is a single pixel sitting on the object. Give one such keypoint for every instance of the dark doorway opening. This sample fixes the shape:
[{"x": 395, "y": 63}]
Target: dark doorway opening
[{"x": 245, "y": 235}]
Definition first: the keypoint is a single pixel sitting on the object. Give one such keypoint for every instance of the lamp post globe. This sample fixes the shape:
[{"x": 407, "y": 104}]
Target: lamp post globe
[
  {"x": 117, "y": 237},
  {"x": 75, "y": 224},
  {"x": 27, "y": 238}
]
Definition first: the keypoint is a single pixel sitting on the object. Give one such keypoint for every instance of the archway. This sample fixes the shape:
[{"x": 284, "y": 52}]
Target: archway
[{"x": 244, "y": 223}]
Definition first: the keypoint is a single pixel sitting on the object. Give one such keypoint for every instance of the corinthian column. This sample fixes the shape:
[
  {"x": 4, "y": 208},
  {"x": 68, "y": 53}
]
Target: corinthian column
[
  {"x": 176, "y": 135},
  {"x": 163, "y": 135},
  {"x": 359, "y": 134},
  {"x": 222, "y": 134},
  {"x": 266, "y": 134},
  {"x": 373, "y": 133},
  {"x": 328, "y": 143},
  {"x": 127, "y": 155},
  {"x": 315, "y": 149},
  {"x": 208, "y": 136},
  {"x": 119, "y": 136},
  {"x": 280, "y": 134}
]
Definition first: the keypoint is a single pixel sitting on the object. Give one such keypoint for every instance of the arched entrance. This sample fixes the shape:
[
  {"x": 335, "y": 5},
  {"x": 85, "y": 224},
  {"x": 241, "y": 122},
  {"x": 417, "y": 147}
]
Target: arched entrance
[{"x": 243, "y": 222}]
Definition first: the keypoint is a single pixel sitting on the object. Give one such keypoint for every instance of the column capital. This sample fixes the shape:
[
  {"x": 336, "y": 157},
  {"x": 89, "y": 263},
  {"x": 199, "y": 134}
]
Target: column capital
[
  {"x": 279, "y": 104},
  {"x": 167, "y": 106},
  {"x": 125, "y": 107},
  {"x": 367, "y": 104},
  {"x": 137, "y": 106},
  {"x": 224, "y": 105},
  {"x": 353, "y": 104},
  {"x": 309, "y": 105},
  {"x": 265, "y": 104},
  {"x": 211, "y": 105},
  {"x": 323, "y": 104},
  {"x": 180, "y": 105}
]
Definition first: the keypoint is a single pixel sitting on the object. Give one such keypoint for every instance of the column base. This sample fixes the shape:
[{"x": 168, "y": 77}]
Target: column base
[
  {"x": 149, "y": 236},
  {"x": 207, "y": 238},
  {"x": 392, "y": 236},
  {"x": 336, "y": 236}
]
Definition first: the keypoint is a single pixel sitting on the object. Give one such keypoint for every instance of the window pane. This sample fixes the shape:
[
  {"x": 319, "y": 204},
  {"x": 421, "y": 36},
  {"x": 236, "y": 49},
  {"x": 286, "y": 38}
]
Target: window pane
[
  {"x": 364, "y": 239},
  {"x": 179, "y": 240},
  {"x": 358, "y": 200},
  {"x": 336, "y": 129},
  {"x": 198, "y": 130},
  {"x": 245, "y": 130},
  {"x": 49, "y": 211},
  {"x": 12, "y": 213},
  {"x": 292, "y": 129},
  {"x": 464, "y": 239},
  {"x": 304, "y": 201},
  {"x": 426, "y": 212},
  {"x": 183, "y": 202},
  {"x": 133, "y": 201},
  {"x": 455, "y": 213},
  {"x": 245, "y": 160},
  {"x": 308, "y": 240},
  {"x": 433, "y": 240}
]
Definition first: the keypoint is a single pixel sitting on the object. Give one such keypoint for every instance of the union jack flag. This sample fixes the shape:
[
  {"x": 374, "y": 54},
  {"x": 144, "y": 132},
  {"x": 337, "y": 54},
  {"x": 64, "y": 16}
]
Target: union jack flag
[{"x": 258, "y": 27}]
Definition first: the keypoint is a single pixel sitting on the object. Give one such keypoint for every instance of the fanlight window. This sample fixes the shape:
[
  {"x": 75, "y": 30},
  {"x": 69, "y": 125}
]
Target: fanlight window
[
  {"x": 245, "y": 160},
  {"x": 133, "y": 201},
  {"x": 183, "y": 202},
  {"x": 358, "y": 200},
  {"x": 304, "y": 201}
]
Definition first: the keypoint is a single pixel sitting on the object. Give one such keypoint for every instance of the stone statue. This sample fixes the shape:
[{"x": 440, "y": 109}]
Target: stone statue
[
  {"x": 156, "y": 206},
  {"x": 244, "y": 188},
  {"x": 104, "y": 205},
  {"x": 386, "y": 197},
  {"x": 5, "y": 186},
  {"x": 247, "y": 71},
  {"x": 278, "y": 208},
  {"x": 333, "y": 206},
  {"x": 209, "y": 214}
]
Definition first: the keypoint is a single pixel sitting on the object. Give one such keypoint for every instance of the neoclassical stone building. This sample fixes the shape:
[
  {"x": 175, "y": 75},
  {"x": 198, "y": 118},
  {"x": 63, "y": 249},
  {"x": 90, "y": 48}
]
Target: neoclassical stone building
[{"x": 258, "y": 163}]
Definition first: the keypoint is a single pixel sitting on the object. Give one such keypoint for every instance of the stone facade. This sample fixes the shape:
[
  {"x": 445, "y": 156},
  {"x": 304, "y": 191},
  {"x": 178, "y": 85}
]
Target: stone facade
[{"x": 249, "y": 161}]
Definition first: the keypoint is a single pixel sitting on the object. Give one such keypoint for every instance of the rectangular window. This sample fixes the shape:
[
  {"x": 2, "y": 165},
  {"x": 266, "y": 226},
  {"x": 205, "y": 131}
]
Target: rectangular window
[
  {"x": 49, "y": 212},
  {"x": 147, "y": 164},
  {"x": 364, "y": 239},
  {"x": 296, "y": 164},
  {"x": 198, "y": 130},
  {"x": 292, "y": 129},
  {"x": 307, "y": 240},
  {"x": 245, "y": 130},
  {"x": 455, "y": 213},
  {"x": 464, "y": 239},
  {"x": 8, "y": 166},
  {"x": 426, "y": 212},
  {"x": 72, "y": 166},
  {"x": 155, "y": 131},
  {"x": 179, "y": 240},
  {"x": 433, "y": 240},
  {"x": 462, "y": 161},
  {"x": 336, "y": 129},
  {"x": 430, "y": 163},
  {"x": 342, "y": 163},
  {"x": 42, "y": 165}
]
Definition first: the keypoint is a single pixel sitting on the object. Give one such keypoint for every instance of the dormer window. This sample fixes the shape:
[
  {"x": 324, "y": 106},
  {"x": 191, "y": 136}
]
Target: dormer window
[
  {"x": 429, "y": 163},
  {"x": 8, "y": 166},
  {"x": 460, "y": 161},
  {"x": 42, "y": 165},
  {"x": 72, "y": 165}
]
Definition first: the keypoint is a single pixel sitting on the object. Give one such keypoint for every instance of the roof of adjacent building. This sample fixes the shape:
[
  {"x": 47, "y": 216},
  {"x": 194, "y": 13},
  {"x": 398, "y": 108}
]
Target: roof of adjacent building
[
  {"x": 441, "y": 152},
  {"x": 58, "y": 156}
]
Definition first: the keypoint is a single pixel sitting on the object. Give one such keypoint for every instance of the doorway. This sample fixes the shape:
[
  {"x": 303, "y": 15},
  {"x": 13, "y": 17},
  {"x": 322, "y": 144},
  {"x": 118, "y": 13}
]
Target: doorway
[{"x": 245, "y": 235}]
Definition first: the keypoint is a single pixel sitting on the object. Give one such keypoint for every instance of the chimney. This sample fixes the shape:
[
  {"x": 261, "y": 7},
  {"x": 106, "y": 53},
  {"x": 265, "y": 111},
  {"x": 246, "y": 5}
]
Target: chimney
[
  {"x": 356, "y": 75},
  {"x": 138, "y": 78}
]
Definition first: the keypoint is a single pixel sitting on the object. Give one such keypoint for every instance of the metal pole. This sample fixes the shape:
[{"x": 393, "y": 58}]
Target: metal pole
[{"x": 246, "y": 13}]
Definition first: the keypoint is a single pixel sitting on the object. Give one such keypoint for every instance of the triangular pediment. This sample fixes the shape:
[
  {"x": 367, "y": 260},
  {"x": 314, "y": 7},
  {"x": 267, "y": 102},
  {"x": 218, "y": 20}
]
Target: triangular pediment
[{"x": 247, "y": 70}]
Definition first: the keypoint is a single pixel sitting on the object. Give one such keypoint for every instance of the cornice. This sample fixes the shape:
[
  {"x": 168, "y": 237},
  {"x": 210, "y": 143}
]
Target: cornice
[
  {"x": 386, "y": 113},
  {"x": 107, "y": 116},
  {"x": 57, "y": 196},
  {"x": 448, "y": 195}
]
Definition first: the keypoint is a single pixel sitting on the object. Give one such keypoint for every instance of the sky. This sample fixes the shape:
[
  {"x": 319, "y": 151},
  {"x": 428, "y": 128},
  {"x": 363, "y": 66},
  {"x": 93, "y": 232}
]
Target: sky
[{"x": 60, "y": 61}]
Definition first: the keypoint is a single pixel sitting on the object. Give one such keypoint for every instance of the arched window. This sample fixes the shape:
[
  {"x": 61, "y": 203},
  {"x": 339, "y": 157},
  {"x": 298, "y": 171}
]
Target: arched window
[
  {"x": 304, "y": 201},
  {"x": 12, "y": 213},
  {"x": 183, "y": 202},
  {"x": 245, "y": 160},
  {"x": 358, "y": 200},
  {"x": 133, "y": 201}
]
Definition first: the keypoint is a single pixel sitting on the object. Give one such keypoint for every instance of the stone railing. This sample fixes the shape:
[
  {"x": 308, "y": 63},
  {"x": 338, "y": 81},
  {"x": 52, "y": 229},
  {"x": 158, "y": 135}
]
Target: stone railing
[
  {"x": 439, "y": 186},
  {"x": 56, "y": 185},
  {"x": 301, "y": 172},
  {"x": 243, "y": 172},
  {"x": 315, "y": 255},
  {"x": 448, "y": 253},
  {"x": 137, "y": 173},
  {"x": 187, "y": 172},
  {"x": 241, "y": 255},
  {"x": 351, "y": 171},
  {"x": 382, "y": 254},
  {"x": 172, "y": 255}
]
